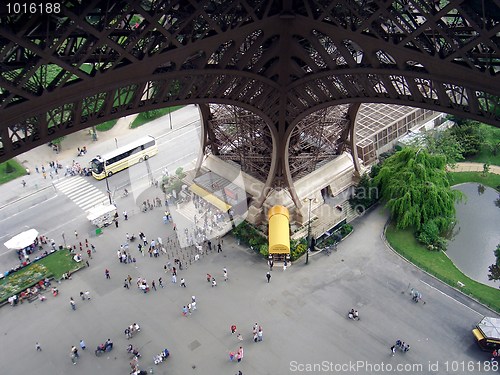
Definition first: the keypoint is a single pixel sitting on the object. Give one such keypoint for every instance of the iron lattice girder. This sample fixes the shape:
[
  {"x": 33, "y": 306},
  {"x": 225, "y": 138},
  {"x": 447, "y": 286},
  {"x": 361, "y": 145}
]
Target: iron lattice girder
[
  {"x": 282, "y": 60},
  {"x": 240, "y": 136}
]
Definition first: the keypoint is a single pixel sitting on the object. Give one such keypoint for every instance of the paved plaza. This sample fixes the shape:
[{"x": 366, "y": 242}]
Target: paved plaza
[{"x": 302, "y": 312}]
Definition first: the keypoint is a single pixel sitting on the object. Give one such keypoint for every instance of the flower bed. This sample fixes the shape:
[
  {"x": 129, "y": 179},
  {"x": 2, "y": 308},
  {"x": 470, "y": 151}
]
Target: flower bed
[{"x": 54, "y": 265}]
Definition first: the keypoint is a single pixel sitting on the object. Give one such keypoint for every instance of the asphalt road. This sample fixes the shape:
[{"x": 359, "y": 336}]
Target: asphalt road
[{"x": 52, "y": 212}]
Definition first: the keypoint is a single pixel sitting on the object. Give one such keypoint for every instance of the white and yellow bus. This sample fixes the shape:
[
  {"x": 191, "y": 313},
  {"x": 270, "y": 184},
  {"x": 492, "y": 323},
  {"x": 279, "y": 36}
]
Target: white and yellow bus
[{"x": 123, "y": 157}]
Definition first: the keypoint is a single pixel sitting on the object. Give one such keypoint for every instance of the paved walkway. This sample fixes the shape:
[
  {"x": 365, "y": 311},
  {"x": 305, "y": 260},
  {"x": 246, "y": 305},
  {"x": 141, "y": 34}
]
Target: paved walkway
[
  {"x": 302, "y": 312},
  {"x": 473, "y": 167}
]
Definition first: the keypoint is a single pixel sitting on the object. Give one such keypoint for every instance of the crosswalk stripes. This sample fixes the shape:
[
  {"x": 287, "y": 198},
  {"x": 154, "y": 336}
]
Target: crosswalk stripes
[{"x": 82, "y": 193}]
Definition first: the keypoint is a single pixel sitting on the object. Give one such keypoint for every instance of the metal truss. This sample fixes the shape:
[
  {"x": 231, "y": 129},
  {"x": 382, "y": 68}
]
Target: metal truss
[
  {"x": 240, "y": 136},
  {"x": 317, "y": 139},
  {"x": 281, "y": 60}
]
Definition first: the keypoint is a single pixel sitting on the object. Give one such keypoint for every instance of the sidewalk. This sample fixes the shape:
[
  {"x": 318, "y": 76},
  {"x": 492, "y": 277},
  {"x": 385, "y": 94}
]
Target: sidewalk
[
  {"x": 120, "y": 134},
  {"x": 473, "y": 167}
]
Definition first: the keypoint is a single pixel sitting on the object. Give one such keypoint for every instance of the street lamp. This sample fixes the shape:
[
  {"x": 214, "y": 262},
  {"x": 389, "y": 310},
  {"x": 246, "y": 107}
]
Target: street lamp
[
  {"x": 308, "y": 232},
  {"x": 109, "y": 191},
  {"x": 170, "y": 117}
]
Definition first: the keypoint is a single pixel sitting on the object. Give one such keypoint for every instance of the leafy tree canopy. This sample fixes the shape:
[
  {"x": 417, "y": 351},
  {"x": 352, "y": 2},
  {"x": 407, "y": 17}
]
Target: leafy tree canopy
[
  {"x": 442, "y": 142},
  {"x": 415, "y": 186},
  {"x": 495, "y": 268},
  {"x": 468, "y": 133}
]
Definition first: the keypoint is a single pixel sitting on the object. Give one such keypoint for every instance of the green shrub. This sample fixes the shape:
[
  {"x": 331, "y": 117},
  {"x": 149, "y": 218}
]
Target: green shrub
[
  {"x": 297, "y": 251},
  {"x": 345, "y": 229},
  {"x": 264, "y": 250},
  {"x": 249, "y": 235},
  {"x": 429, "y": 233}
]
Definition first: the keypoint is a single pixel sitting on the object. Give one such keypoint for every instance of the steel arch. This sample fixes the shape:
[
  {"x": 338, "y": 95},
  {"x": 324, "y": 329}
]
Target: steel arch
[{"x": 280, "y": 59}]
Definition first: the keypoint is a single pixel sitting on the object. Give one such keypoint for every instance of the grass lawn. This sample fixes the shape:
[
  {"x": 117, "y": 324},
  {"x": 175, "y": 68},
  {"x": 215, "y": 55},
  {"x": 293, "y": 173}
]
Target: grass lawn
[
  {"x": 60, "y": 262},
  {"x": 141, "y": 119},
  {"x": 492, "y": 135},
  {"x": 17, "y": 171},
  {"x": 491, "y": 180},
  {"x": 105, "y": 126},
  {"x": 439, "y": 265},
  {"x": 53, "y": 265}
]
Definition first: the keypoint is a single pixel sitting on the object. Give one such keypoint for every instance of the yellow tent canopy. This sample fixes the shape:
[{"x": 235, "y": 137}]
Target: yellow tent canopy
[
  {"x": 279, "y": 230},
  {"x": 209, "y": 197}
]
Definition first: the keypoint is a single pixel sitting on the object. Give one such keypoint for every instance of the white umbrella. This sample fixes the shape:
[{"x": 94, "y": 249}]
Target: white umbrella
[{"x": 22, "y": 240}]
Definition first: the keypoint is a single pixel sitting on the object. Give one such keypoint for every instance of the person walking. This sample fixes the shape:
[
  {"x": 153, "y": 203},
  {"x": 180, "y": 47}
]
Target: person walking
[
  {"x": 214, "y": 283},
  {"x": 225, "y": 274},
  {"x": 268, "y": 275},
  {"x": 72, "y": 303},
  {"x": 193, "y": 302},
  {"x": 89, "y": 253},
  {"x": 82, "y": 344},
  {"x": 260, "y": 334},
  {"x": 239, "y": 355},
  {"x": 106, "y": 273},
  {"x": 76, "y": 234},
  {"x": 24, "y": 183},
  {"x": 153, "y": 285},
  {"x": 183, "y": 282},
  {"x": 74, "y": 350},
  {"x": 160, "y": 282},
  {"x": 393, "y": 350},
  {"x": 233, "y": 329},
  {"x": 125, "y": 284},
  {"x": 174, "y": 278},
  {"x": 271, "y": 264},
  {"x": 219, "y": 248},
  {"x": 125, "y": 215},
  {"x": 38, "y": 347},
  {"x": 209, "y": 277}
]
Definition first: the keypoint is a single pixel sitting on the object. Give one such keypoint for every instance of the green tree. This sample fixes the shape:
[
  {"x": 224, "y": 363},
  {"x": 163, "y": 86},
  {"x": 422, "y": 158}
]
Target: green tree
[
  {"x": 468, "y": 133},
  {"x": 415, "y": 186},
  {"x": 495, "y": 268},
  {"x": 441, "y": 142}
]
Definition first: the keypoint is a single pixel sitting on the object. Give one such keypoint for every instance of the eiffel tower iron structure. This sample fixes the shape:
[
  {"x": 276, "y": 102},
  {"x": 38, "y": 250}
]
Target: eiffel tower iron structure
[{"x": 279, "y": 82}]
